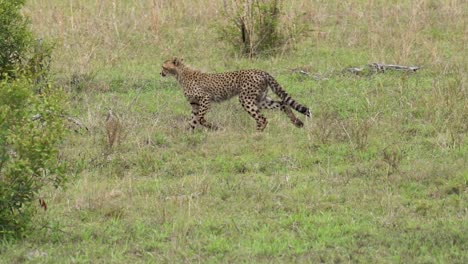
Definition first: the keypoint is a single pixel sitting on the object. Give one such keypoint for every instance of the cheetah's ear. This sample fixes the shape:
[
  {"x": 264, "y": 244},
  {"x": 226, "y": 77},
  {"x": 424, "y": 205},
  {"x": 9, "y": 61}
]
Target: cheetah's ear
[{"x": 176, "y": 61}]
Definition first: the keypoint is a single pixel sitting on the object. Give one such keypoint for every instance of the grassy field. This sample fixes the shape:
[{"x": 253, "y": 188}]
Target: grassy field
[{"x": 377, "y": 175}]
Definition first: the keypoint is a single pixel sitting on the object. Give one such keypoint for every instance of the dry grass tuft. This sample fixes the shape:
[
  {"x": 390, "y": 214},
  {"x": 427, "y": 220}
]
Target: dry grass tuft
[{"x": 113, "y": 129}]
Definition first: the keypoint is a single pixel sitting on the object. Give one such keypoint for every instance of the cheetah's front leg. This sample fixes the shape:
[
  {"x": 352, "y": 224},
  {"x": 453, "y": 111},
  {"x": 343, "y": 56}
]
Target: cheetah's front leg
[
  {"x": 202, "y": 109},
  {"x": 194, "y": 120}
]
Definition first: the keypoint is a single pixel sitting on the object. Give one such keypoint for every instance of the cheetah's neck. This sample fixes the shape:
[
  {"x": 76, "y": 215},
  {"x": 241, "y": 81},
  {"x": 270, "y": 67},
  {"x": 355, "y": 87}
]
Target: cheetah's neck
[{"x": 184, "y": 72}]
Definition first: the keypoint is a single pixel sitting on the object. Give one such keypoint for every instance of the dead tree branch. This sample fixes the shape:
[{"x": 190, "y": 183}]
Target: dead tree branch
[{"x": 380, "y": 67}]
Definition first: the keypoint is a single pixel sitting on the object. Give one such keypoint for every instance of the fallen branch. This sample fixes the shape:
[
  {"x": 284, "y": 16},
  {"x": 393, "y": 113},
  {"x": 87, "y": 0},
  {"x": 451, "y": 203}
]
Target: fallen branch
[
  {"x": 355, "y": 70},
  {"x": 367, "y": 70},
  {"x": 305, "y": 73},
  {"x": 382, "y": 67},
  {"x": 75, "y": 121},
  {"x": 68, "y": 118}
]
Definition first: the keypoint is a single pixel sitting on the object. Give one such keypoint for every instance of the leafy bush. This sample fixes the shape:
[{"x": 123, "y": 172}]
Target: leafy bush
[
  {"x": 30, "y": 122},
  {"x": 30, "y": 128},
  {"x": 15, "y": 37},
  {"x": 255, "y": 28}
]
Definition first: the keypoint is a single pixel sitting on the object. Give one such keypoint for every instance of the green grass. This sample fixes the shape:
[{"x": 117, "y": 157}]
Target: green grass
[{"x": 378, "y": 175}]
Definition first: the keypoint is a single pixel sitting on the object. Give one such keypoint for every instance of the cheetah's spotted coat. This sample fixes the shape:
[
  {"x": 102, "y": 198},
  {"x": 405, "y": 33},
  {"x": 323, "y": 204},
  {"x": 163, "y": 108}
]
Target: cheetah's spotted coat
[{"x": 201, "y": 89}]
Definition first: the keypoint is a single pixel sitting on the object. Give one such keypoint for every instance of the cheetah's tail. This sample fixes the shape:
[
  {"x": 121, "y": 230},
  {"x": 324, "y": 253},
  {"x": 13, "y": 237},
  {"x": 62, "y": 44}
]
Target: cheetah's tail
[{"x": 277, "y": 89}]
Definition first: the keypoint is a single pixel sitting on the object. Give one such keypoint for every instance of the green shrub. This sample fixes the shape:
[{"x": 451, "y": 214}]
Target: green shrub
[
  {"x": 30, "y": 128},
  {"x": 15, "y": 37},
  {"x": 30, "y": 122}
]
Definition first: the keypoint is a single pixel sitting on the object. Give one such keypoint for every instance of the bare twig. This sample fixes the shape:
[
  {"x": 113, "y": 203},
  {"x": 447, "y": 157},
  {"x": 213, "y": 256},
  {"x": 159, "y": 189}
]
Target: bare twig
[{"x": 129, "y": 106}]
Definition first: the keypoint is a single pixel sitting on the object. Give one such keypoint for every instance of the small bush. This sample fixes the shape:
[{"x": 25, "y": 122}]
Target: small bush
[
  {"x": 254, "y": 27},
  {"x": 15, "y": 37},
  {"x": 30, "y": 129},
  {"x": 30, "y": 122}
]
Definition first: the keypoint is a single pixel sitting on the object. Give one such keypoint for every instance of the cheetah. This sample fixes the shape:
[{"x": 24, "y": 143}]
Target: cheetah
[{"x": 202, "y": 89}]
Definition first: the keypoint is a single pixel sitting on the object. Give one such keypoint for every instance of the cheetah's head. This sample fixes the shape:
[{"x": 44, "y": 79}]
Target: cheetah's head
[{"x": 170, "y": 67}]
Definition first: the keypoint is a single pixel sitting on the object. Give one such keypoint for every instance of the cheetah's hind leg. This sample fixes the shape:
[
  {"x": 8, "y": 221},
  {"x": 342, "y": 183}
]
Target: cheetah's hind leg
[
  {"x": 252, "y": 108},
  {"x": 268, "y": 103}
]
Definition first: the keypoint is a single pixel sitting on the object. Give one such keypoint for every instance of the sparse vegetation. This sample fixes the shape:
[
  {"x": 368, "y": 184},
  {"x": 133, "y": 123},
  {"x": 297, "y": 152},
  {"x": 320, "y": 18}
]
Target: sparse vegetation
[
  {"x": 256, "y": 27},
  {"x": 378, "y": 175}
]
